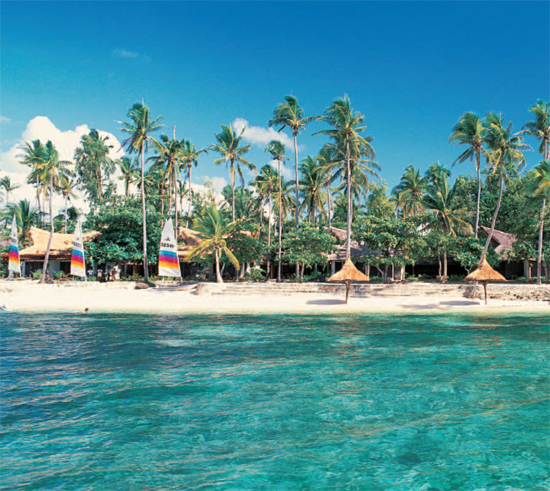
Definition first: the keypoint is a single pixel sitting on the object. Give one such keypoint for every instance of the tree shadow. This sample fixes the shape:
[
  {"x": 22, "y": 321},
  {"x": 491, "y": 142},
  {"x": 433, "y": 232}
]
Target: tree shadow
[{"x": 326, "y": 302}]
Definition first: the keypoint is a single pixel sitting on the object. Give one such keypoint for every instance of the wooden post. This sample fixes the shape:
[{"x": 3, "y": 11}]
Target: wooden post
[
  {"x": 484, "y": 283},
  {"x": 348, "y": 284}
]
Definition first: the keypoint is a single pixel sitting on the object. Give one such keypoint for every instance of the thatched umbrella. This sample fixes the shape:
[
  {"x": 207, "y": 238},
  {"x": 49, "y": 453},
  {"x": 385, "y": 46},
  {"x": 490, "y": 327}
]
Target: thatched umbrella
[
  {"x": 484, "y": 274},
  {"x": 347, "y": 274}
]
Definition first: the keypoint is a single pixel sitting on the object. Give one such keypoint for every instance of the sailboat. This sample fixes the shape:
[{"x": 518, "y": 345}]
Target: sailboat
[
  {"x": 77, "y": 257},
  {"x": 14, "y": 265},
  {"x": 168, "y": 255}
]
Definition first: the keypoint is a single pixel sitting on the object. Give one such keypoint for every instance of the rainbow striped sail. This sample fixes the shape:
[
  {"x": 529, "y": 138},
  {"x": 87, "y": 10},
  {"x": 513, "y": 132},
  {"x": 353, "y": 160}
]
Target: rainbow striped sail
[
  {"x": 77, "y": 257},
  {"x": 14, "y": 265},
  {"x": 169, "y": 264}
]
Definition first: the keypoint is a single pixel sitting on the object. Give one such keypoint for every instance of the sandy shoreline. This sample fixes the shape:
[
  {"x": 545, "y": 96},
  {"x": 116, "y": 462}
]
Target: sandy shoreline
[{"x": 32, "y": 297}]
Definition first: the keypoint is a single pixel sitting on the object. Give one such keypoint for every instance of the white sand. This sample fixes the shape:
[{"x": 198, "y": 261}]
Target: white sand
[{"x": 26, "y": 296}]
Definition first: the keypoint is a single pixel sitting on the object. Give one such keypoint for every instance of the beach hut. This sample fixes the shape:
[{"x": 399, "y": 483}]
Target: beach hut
[
  {"x": 484, "y": 274},
  {"x": 348, "y": 274}
]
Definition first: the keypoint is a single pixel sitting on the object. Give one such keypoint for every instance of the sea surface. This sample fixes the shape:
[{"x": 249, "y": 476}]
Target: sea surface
[{"x": 211, "y": 402}]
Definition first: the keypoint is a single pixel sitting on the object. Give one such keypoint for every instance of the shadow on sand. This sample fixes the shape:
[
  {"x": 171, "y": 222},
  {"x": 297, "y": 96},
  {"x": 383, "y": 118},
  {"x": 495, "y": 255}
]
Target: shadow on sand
[
  {"x": 326, "y": 302},
  {"x": 442, "y": 305}
]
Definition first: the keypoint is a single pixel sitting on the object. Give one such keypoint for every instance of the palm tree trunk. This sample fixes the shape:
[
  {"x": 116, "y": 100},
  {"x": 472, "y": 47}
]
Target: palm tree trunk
[
  {"x": 232, "y": 191},
  {"x": 145, "y": 265},
  {"x": 176, "y": 205},
  {"x": 268, "y": 268},
  {"x": 280, "y": 223},
  {"x": 261, "y": 219},
  {"x": 494, "y": 221},
  {"x": 478, "y": 166},
  {"x": 445, "y": 264},
  {"x": 348, "y": 245},
  {"x": 47, "y": 256},
  {"x": 329, "y": 210},
  {"x": 539, "y": 257},
  {"x": 189, "y": 200},
  {"x": 65, "y": 227},
  {"x": 219, "y": 278},
  {"x": 297, "y": 184}
]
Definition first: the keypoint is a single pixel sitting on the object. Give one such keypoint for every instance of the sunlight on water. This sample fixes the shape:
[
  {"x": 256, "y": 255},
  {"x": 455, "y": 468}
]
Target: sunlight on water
[{"x": 377, "y": 402}]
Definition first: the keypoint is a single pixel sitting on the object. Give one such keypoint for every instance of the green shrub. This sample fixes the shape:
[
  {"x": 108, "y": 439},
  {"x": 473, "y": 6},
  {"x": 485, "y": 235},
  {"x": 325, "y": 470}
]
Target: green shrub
[
  {"x": 522, "y": 279},
  {"x": 315, "y": 276},
  {"x": 376, "y": 279},
  {"x": 456, "y": 277},
  {"x": 35, "y": 275},
  {"x": 425, "y": 277},
  {"x": 412, "y": 278},
  {"x": 255, "y": 274},
  {"x": 60, "y": 275}
]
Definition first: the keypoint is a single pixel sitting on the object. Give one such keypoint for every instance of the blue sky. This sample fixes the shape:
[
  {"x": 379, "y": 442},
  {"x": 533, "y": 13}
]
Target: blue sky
[{"x": 412, "y": 68}]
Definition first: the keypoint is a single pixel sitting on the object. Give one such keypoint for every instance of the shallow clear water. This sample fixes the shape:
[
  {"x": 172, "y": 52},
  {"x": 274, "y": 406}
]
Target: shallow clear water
[{"x": 372, "y": 402}]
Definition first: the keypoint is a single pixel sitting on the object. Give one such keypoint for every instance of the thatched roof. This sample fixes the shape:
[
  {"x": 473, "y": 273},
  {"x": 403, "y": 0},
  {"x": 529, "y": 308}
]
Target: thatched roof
[
  {"x": 501, "y": 241},
  {"x": 190, "y": 240},
  {"x": 61, "y": 248},
  {"x": 348, "y": 273},
  {"x": 485, "y": 273}
]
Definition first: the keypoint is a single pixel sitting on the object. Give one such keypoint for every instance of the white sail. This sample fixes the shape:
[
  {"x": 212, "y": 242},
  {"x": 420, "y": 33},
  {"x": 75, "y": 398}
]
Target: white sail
[
  {"x": 168, "y": 255},
  {"x": 78, "y": 267},
  {"x": 14, "y": 265}
]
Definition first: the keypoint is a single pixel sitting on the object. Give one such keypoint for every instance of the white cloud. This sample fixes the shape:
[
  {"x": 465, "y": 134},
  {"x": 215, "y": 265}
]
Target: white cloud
[
  {"x": 3, "y": 119},
  {"x": 41, "y": 128},
  {"x": 285, "y": 170},
  {"x": 126, "y": 54},
  {"x": 257, "y": 135}
]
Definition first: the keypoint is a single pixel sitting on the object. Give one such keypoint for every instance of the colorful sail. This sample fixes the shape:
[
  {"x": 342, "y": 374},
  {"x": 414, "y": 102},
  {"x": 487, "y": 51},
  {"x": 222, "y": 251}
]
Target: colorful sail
[
  {"x": 169, "y": 264},
  {"x": 77, "y": 257},
  {"x": 14, "y": 265}
]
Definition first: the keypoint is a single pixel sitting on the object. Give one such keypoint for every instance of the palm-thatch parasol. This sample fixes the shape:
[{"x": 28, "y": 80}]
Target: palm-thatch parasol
[
  {"x": 347, "y": 274},
  {"x": 484, "y": 274}
]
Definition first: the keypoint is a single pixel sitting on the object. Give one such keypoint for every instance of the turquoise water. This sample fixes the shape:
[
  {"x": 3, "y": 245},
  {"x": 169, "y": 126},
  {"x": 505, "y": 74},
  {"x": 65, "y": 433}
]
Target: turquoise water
[{"x": 377, "y": 402}]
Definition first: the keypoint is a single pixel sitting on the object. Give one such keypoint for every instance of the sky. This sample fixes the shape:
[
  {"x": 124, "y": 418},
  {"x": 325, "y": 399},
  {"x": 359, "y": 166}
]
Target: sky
[{"x": 411, "y": 68}]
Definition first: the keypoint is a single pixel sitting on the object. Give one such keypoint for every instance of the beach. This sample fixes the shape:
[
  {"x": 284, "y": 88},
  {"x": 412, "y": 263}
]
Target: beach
[{"x": 27, "y": 296}]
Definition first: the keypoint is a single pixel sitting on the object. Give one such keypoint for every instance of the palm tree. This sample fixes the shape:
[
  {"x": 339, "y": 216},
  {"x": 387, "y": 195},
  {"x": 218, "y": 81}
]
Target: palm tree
[
  {"x": 93, "y": 164},
  {"x": 130, "y": 173},
  {"x": 8, "y": 186},
  {"x": 505, "y": 153},
  {"x": 34, "y": 154},
  {"x": 345, "y": 131},
  {"x": 449, "y": 215},
  {"x": 66, "y": 188},
  {"x": 140, "y": 128},
  {"x": 190, "y": 158},
  {"x": 540, "y": 127},
  {"x": 266, "y": 183},
  {"x": 213, "y": 231},
  {"x": 470, "y": 130},
  {"x": 328, "y": 162},
  {"x": 312, "y": 185},
  {"x": 277, "y": 151},
  {"x": 540, "y": 188},
  {"x": 229, "y": 148},
  {"x": 412, "y": 188},
  {"x": 289, "y": 114},
  {"x": 26, "y": 217},
  {"x": 52, "y": 172},
  {"x": 170, "y": 154}
]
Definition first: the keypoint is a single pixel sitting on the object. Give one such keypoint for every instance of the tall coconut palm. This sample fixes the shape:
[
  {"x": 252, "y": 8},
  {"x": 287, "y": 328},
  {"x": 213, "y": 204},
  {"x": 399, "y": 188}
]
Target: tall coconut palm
[
  {"x": 52, "y": 172},
  {"x": 266, "y": 183},
  {"x": 26, "y": 217},
  {"x": 540, "y": 188},
  {"x": 34, "y": 154},
  {"x": 505, "y": 153},
  {"x": 213, "y": 231},
  {"x": 328, "y": 162},
  {"x": 312, "y": 185},
  {"x": 540, "y": 127},
  {"x": 470, "y": 130},
  {"x": 346, "y": 128},
  {"x": 289, "y": 114},
  {"x": 66, "y": 188},
  {"x": 170, "y": 155},
  {"x": 8, "y": 186},
  {"x": 140, "y": 129},
  {"x": 449, "y": 216},
  {"x": 412, "y": 188},
  {"x": 277, "y": 151},
  {"x": 190, "y": 158},
  {"x": 130, "y": 173},
  {"x": 229, "y": 148}
]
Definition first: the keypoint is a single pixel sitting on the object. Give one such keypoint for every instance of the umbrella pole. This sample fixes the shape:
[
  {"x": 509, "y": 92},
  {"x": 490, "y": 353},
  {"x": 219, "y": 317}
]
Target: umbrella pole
[
  {"x": 485, "y": 290},
  {"x": 348, "y": 284}
]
